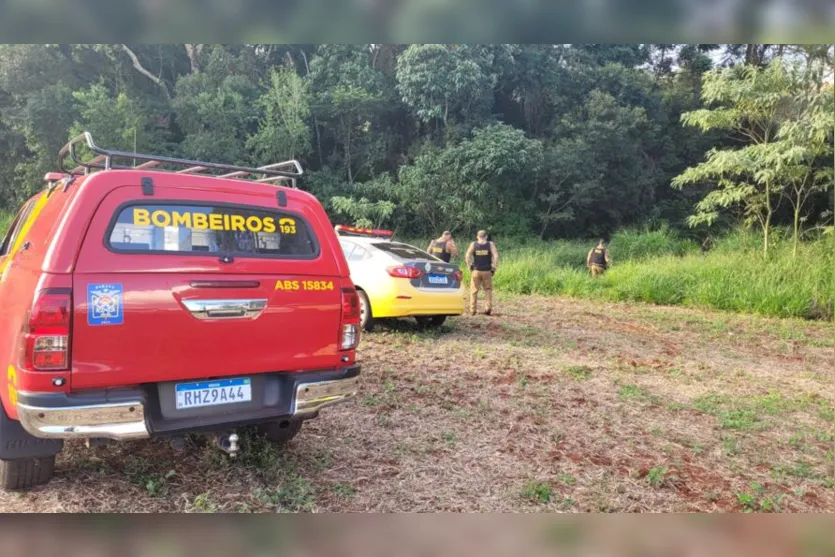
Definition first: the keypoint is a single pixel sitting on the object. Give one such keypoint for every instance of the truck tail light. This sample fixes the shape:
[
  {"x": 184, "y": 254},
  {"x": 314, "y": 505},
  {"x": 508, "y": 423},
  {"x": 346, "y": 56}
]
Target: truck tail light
[
  {"x": 46, "y": 333},
  {"x": 458, "y": 275},
  {"x": 350, "y": 305},
  {"x": 405, "y": 272},
  {"x": 350, "y": 334}
]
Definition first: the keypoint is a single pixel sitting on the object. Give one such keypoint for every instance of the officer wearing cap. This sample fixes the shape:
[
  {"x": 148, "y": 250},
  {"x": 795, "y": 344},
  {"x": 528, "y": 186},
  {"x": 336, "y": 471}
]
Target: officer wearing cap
[
  {"x": 444, "y": 247},
  {"x": 483, "y": 259}
]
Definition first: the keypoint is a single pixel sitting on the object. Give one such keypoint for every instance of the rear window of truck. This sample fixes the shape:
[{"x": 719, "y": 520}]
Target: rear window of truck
[{"x": 232, "y": 230}]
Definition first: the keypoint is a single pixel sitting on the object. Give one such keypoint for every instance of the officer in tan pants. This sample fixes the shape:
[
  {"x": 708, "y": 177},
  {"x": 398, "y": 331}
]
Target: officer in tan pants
[{"x": 483, "y": 258}]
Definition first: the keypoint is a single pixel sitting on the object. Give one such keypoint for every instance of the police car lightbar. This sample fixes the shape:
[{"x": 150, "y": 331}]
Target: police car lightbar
[{"x": 343, "y": 230}]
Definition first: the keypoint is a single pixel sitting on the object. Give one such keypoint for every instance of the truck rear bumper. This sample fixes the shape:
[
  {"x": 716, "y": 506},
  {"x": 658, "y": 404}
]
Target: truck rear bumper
[
  {"x": 124, "y": 414},
  {"x": 121, "y": 420}
]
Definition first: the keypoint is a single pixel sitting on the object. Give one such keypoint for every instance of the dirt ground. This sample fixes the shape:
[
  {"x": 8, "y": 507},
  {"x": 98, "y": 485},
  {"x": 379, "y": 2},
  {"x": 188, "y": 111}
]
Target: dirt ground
[{"x": 552, "y": 405}]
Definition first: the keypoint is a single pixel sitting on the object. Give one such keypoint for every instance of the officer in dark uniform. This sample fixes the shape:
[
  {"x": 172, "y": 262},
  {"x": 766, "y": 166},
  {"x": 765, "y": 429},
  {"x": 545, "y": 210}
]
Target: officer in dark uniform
[
  {"x": 483, "y": 258},
  {"x": 444, "y": 247},
  {"x": 598, "y": 259}
]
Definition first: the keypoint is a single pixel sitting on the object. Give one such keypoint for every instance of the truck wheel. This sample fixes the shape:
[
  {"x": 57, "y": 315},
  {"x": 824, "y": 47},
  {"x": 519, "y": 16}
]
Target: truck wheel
[
  {"x": 366, "y": 317},
  {"x": 432, "y": 322},
  {"x": 25, "y": 473},
  {"x": 275, "y": 433}
]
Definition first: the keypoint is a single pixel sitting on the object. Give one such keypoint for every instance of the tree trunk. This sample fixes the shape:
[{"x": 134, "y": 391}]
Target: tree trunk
[
  {"x": 767, "y": 223},
  {"x": 544, "y": 225},
  {"x": 749, "y": 53},
  {"x": 318, "y": 139},
  {"x": 446, "y": 110},
  {"x": 141, "y": 69},
  {"x": 306, "y": 65},
  {"x": 193, "y": 51},
  {"x": 796, "y": 227},
  {"x": 348, "y": 153}
]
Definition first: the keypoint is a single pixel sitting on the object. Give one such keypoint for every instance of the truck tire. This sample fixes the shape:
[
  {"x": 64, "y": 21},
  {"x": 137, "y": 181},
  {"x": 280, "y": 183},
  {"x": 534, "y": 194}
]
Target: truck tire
[
  {"x": 282, "y": 432},
  {"x": 366, "y": 316},
  {"x": 433, "y": 322},
  {"x": 25, "y": 473}
]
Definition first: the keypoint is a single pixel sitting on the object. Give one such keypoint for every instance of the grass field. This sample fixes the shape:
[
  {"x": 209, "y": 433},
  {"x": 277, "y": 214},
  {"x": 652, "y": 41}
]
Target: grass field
[
  {"x": 556, "y": 404},
  {"x": 659, "y": 268}
]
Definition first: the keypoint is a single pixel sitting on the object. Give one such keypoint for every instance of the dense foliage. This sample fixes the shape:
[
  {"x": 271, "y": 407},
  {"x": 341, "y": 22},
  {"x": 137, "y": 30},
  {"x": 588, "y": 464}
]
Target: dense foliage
[{"x": 545, "y": 140}]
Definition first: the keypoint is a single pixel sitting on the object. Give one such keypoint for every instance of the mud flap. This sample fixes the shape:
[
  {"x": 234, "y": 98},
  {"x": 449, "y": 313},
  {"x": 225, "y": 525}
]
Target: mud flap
[{"x": 16, "y": 442}]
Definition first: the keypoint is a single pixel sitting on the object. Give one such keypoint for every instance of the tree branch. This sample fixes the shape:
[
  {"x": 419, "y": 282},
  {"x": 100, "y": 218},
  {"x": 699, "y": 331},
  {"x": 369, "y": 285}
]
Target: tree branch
[
  {"x": 141, "y": 69},
  {"x": 193, "y": 51},
  {"x": 306, "y": 65}
]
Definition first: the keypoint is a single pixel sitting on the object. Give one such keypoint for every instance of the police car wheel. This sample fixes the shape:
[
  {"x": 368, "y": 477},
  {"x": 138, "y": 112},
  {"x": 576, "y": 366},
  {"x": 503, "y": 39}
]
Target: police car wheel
[
  {"x": 282, "y": 432},
  {"x": 432, "y": 322},
  {"x": 366, "y": 317}
]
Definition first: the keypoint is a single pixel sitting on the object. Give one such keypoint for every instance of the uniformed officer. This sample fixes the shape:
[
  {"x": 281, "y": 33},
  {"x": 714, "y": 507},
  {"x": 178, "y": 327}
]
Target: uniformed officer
[
  {"x": 483, "y": 258},
  {"x": 443, "y": 248},
  {"x": 598, "y": 259},
  {"x": 707, "y": 244}
]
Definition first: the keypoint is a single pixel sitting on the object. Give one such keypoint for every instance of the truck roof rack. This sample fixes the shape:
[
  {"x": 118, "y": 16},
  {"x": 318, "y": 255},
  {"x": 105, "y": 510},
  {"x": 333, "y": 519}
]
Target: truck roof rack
[{"x": 107, "y": 159}]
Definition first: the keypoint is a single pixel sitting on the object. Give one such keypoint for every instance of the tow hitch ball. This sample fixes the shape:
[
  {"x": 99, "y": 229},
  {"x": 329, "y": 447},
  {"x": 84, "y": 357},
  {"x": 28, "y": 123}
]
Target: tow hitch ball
[{"x": 229, "y": 443}]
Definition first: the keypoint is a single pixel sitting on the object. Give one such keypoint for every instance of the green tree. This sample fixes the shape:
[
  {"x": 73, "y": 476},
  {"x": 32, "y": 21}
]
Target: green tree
[
  {"x": 349, "y": 95},
  {"x": 616, "y": 188},
  {"x": 471, "y": 184},
  {"x": 558, "y": 195},
  {"x": 115, "y": 121},
  {"x": 523, "y": 90},
  {"x": 374, "y": 205},
  {"x": 804, "y": 153},
  {"x": 217, "y": 110},
  {"x": 750, "y": 103},
  {"x": 437, "y": 81},
  {"x": 422, "y": 137},
  {"x": 283, "y": 131}
]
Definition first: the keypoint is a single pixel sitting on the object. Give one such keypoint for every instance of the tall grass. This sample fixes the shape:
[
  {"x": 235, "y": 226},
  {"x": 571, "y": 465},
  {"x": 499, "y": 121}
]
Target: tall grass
[
  {"x": 5, "y": 221},
  {"x": 660, "y": 268}
]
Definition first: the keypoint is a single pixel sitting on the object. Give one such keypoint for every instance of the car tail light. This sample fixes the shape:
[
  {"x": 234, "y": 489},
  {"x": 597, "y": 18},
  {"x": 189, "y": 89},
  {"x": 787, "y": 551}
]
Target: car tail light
[
  {"x": 458, "y": 275},
  {"x": 350, "y": 334},
  {"x": 46, "y": 334},
  {"x": 405, "y": 272}
]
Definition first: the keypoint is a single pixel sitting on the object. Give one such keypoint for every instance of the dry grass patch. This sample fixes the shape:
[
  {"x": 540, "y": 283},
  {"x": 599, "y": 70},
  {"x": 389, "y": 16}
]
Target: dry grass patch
[{"x": 555, "y": 405}]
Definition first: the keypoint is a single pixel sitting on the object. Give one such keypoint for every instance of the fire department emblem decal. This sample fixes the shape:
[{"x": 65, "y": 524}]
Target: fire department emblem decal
[{"x": 105, "y": 304}]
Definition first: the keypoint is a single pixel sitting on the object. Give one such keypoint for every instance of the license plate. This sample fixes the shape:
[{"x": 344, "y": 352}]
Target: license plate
[
  {"x": 213, "y": 393},
  {"x": 438, "y": 279}
]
